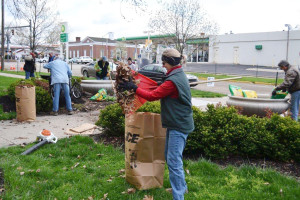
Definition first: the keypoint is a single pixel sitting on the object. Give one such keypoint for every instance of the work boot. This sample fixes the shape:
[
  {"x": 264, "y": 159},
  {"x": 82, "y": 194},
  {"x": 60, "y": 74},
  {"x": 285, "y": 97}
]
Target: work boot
[
  {"x": 53, "y": 113},
  {"x": 70, "y": 112}
]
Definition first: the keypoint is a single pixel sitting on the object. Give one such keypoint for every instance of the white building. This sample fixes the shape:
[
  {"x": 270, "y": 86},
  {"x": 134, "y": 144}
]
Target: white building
[{"x": 264, "y": 49}]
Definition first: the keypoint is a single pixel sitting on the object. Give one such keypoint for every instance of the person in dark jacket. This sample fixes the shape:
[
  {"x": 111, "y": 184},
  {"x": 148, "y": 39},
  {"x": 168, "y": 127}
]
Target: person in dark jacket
[
  {"x": 29, "y": 66},
  {"x": 291, "y": 84},
  {"x": 176, "y": 116},
  {"x": 102, "y": 69}
]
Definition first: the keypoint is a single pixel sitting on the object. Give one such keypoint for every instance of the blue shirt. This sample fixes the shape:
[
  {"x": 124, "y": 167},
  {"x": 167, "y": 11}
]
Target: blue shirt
[{"x": 60, "y": 71}]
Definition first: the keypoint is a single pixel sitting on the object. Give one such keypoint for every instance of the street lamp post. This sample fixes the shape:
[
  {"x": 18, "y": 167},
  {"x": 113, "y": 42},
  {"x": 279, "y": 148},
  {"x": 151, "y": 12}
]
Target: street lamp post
[
  {"x": 92, "y": 52},
  {"x": 288, "y": 40},
  {"x": 148, "y": 40}
]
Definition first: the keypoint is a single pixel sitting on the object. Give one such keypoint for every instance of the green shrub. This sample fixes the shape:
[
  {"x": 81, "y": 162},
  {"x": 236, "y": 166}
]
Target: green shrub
[
  {"x": 112, "y": 120},
  {"x": 42, "y": 95},
  {"x": 11, "y": 88},
  {"x": 78, "y": 79},
  {"x": 221, "y": 132},
  {"x": 43, "y": 100},
  {"x": 153, "y": 107}
]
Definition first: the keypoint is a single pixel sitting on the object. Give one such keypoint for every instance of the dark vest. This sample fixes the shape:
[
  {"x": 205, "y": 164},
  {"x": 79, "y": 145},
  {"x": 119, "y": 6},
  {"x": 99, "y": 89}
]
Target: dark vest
[
  {"x": 176, "y": 113},
  {"x": 104, "y": 69}
]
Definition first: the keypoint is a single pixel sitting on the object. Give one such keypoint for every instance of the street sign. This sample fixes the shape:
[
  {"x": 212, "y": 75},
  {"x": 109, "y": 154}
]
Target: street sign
[
  {"x": 64, "y": 27},
  {"x": 64, "y": 37},
  {"x": 210, "y": 84}
]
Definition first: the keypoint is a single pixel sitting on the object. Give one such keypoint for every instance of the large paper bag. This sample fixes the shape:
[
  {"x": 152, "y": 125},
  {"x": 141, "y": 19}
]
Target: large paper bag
[
  {"x": 25, "y": 103},
  {"x": 144, "y": 150}
]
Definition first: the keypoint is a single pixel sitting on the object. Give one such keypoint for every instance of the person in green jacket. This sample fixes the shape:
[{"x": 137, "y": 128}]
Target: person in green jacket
[{"x": 102, "y": 69}]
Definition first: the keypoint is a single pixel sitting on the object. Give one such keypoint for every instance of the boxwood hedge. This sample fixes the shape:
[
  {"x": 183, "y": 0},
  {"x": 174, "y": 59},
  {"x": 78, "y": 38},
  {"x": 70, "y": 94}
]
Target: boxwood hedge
[{"x": 221, "y": 132}]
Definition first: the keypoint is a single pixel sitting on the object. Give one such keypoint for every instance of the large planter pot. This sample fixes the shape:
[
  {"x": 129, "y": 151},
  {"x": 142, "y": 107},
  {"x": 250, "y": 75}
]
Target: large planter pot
[
  {"x": 259, "y": 106},
  {"x": 93, "y": 86}
]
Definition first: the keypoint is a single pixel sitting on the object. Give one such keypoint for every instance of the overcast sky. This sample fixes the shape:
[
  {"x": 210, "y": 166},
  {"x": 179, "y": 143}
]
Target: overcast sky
[{"x": 98, "y": 17}]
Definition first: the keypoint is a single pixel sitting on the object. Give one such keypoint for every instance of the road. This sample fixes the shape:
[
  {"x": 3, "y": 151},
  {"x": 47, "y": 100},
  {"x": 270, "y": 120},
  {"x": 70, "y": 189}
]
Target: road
[
  {"x": 220, "y": 87},
  {"x": 240, "y": 70}
]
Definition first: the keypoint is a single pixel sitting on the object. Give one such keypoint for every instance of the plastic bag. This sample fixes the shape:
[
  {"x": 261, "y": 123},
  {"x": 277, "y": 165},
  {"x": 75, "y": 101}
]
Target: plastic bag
[
  {"x": 101, "y": 95},
  {"x": 279, "y": 95},
  {"x": 235, "y": 91},
  {"x": 249, "y": 93}
]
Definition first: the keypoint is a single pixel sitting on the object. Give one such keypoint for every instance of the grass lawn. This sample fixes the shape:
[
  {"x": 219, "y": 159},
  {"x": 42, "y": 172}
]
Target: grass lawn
[
  {"x": 243, "y": 79},
  {"x": 22, "y": 73},
  {"x": 5, "y": 82},
  {"x": 78, "y": 168},
  {"x": 204, "y": 94}
]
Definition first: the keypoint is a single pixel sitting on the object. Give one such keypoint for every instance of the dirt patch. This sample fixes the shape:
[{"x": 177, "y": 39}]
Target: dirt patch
[
  {"x": 7, "y": 103},
  {"x": 84, "y": 104},
  {"x": 1, "y": 181},
  {"x": 286, "y": 168}
]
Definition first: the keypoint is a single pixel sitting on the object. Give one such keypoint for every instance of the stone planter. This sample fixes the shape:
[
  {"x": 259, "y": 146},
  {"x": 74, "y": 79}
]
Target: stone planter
[
  {"x": 93, "y": 86},
  {"x": 259, "y": 106}
]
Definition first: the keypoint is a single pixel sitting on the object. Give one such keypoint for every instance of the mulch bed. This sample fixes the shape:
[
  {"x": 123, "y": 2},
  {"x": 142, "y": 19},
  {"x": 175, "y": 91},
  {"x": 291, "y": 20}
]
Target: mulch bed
[
  {"x": 1, "y": 181},
  {"x": 7, "y": 103}
]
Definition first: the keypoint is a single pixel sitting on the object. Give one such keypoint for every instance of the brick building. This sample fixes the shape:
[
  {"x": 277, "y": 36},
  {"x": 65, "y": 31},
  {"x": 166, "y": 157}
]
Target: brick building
[{"x": 96, "y": 48}]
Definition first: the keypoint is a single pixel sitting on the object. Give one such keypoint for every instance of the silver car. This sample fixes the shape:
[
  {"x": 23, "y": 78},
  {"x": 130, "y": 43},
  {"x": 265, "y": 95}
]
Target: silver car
[{"x": 88, "y": 70}]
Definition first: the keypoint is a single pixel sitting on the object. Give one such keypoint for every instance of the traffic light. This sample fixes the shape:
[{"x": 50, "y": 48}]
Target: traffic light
[{"x": 12, "y": 31}]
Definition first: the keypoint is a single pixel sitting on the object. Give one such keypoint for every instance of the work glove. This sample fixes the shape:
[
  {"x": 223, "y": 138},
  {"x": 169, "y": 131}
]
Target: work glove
[
  {"x": 128, "y": 86},
  {"x": 274, "y": 92}
]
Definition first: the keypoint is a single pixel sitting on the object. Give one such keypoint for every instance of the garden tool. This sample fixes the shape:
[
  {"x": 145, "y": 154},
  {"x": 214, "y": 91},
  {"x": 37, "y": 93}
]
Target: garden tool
[{"x": 44, "y": 137}]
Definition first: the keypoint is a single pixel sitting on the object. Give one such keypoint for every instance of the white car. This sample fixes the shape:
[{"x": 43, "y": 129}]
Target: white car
[{"x": 84, "y": 59}]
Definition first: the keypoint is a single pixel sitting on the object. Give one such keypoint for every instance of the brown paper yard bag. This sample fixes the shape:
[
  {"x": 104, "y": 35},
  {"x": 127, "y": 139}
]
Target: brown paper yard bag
[
  {"x": 25, "y": 103},
  {"x": 144, "y": 150}
]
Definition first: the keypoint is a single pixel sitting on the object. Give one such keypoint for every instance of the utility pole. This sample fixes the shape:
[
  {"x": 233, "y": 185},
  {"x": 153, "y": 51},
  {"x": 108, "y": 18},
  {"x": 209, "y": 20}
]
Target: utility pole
[{"x": 2, "y": 37}]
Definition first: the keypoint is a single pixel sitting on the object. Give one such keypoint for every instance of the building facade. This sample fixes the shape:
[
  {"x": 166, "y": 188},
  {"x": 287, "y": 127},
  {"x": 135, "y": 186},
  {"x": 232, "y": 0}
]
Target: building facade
[
  {"x": 98, "y": 47},
  {"x": 264, "y": 49}
]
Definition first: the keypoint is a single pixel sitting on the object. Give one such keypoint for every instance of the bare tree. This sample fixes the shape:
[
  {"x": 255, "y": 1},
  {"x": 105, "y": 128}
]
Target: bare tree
[
  {"x": 40, "y": 14},
  {"x": 121, "y": 51},
  {"x": 185, "y": 19}
]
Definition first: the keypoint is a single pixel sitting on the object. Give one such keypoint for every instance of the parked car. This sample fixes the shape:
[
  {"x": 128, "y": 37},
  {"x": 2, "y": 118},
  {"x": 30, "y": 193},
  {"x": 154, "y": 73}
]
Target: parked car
[
  {"x": 73, "y": 60},
  {"x": 42, "y": 60},
  {"x": 157, "y": 72},
  {"x": 84, "y": 59},
  {"x": 88, "y": 70}
]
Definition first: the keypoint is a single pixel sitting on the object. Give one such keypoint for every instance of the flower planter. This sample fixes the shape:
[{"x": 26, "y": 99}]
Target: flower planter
[
  {"x": 258, "y": 106},
  {"x": 93, "y": 86}
]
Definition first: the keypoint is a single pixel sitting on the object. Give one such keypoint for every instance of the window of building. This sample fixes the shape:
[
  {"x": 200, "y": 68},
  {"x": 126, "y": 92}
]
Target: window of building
[
  {"x": 77, "y": 53},
  {"x": 84, "y": 52},
  {"x": 112, "y": 53}
]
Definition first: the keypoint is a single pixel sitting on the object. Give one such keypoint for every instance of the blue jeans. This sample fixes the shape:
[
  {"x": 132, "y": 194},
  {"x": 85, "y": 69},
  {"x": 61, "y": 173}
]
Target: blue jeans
[
  {"x": 28, "y": 74},
  {"x": 175, "y": 143},
  {"x": 295, "y": 104},
  {"x": 57, "y": 87}
]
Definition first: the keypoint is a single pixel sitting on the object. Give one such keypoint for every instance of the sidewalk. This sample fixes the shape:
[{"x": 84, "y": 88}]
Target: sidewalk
[
  {"x": 15, "y": 133},
  {"x": 12, "y": 75}
]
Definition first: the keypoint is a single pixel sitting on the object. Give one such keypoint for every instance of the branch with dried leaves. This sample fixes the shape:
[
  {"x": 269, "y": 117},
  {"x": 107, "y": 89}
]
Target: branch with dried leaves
[{"x": 125, "y": 98}]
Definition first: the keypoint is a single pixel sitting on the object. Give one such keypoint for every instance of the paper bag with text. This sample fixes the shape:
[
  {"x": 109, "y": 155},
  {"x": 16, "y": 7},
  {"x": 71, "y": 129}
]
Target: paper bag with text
[
  {"x": 25, "y": 103},
  {"x": 144, "y": 150}
]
